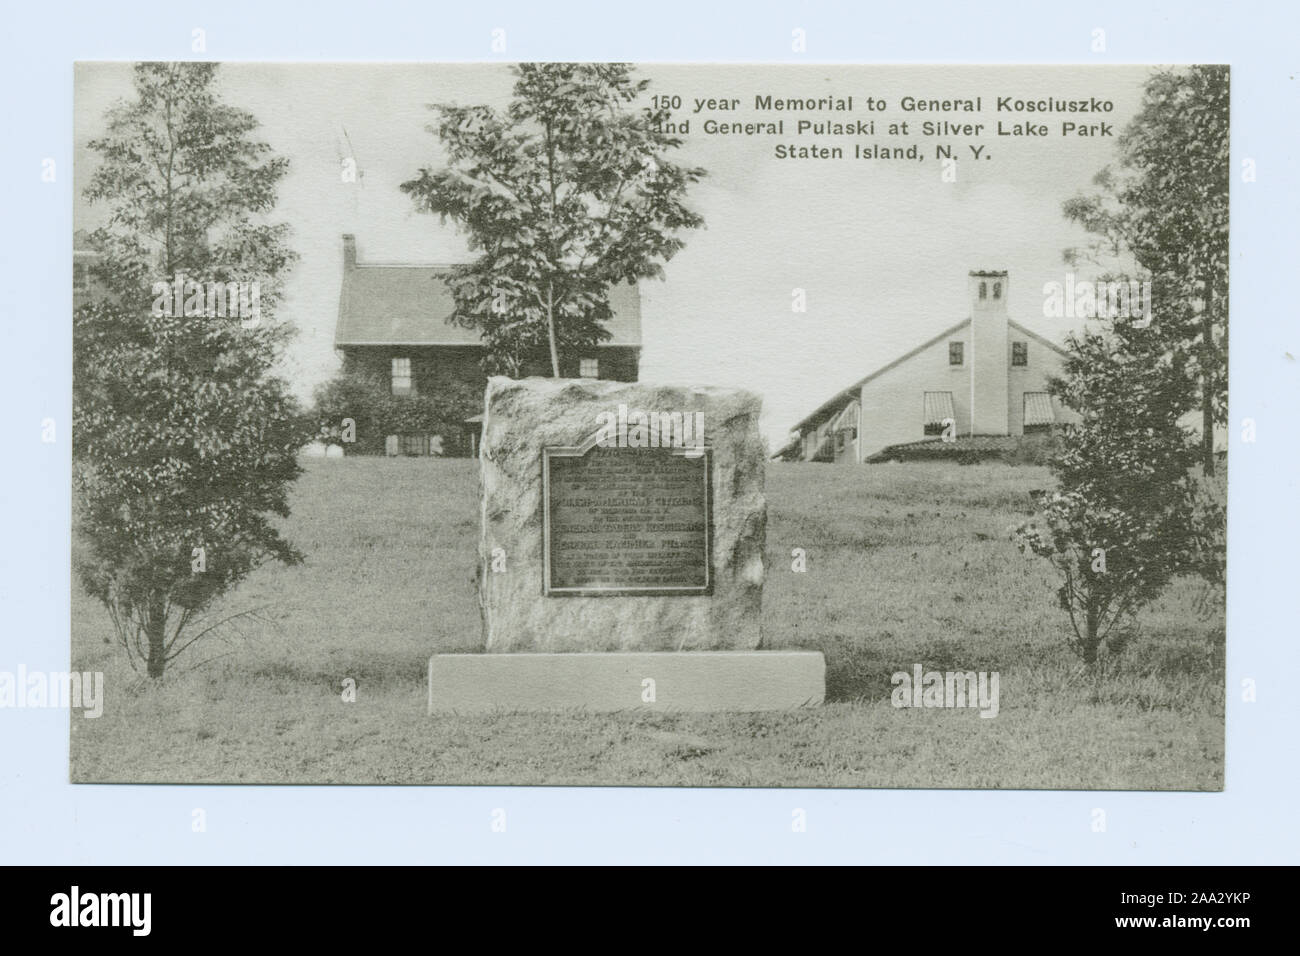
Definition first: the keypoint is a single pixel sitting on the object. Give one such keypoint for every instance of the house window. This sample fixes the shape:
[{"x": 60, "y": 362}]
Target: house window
[
  {"x": 956, "y": 353},
  {"x": 589, "y": 368},
  {"x": 984, "y": 291},
  {"x": 402, "y": 376},
  {"x": 997, "y": 290},
  {"x": 938, "y": 412},
  {"x": 1019, "y": 353}
]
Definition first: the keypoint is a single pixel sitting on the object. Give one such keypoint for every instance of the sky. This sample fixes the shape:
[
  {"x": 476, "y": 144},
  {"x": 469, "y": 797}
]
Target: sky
[{"x": 881, "y": 250}]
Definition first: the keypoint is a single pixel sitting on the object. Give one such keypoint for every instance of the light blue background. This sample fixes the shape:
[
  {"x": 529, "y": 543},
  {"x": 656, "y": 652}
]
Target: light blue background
[{"x": 43, "y": 819}]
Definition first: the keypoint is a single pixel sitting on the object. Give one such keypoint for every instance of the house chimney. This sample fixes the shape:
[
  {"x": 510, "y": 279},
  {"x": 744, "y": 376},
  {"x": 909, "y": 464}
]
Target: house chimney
[
  {"x": 349, "y": 251},
  {"x": 988, "y": 290},
  {"x": 989, "y": 359}
]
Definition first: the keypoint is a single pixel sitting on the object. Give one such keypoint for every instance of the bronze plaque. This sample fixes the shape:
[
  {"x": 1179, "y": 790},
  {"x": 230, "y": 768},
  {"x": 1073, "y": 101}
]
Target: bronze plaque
[{"x": 630, "y": 521}]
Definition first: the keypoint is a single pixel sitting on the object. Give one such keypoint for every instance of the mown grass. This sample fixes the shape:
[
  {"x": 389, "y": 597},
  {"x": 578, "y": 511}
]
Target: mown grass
[{"x": 908, "y": 563}]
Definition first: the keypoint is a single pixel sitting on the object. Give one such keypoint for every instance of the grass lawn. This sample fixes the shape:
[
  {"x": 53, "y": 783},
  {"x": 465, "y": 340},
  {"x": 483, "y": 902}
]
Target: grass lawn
[{"x": 907, "y": 564}]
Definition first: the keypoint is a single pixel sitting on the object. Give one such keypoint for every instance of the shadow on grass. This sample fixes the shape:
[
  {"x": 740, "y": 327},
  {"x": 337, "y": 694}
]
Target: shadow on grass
[
  {"x": 372, "y": 671},
  {"x": 858, "y": 670}
]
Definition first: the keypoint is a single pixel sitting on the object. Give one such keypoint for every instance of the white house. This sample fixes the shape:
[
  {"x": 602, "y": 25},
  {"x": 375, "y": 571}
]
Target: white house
[{"x": 985, "y": 375}]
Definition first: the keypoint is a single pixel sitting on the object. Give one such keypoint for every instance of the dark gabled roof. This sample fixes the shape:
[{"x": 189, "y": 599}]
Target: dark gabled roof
[
  {"x": 841, "y": 399},
  {"x": 410, "y": 304}
]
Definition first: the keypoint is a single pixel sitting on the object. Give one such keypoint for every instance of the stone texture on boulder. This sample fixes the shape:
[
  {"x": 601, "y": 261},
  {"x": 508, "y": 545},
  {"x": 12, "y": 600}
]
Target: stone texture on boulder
[{"x": 523, "y": 416}]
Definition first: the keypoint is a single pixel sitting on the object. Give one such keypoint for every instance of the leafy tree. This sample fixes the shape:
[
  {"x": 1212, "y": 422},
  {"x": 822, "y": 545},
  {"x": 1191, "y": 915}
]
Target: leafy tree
[
  {"x": 365, "y": 396},
  {"x": 1121, "y": 523},
  {"x": 564, "y": 194},
  {"x": 1164, "y": 208},
  {"x": 184, "y": 441}
]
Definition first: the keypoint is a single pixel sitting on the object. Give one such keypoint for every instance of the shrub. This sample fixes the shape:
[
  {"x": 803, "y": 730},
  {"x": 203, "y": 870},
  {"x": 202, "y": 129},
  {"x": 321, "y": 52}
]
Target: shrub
[
  {"x": 1122, "y": 522},
  {"x": 366, "y": 397},
  {"x": 183, "y": 447}
]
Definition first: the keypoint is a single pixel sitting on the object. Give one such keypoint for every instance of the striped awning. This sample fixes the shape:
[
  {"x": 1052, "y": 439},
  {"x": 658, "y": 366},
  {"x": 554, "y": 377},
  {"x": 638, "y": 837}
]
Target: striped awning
[
  {"x": 1038, "y": 409},
  {"x": 938, "y": 406}
]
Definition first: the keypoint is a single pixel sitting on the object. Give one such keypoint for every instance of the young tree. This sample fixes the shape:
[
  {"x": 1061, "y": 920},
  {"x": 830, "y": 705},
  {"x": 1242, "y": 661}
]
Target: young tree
[
  {"x": 184, "y": 441},
  {"x": 1120, "y": 523},
  {"x": 564, "y": 194},
  {"x": 1165, "y": 209}
]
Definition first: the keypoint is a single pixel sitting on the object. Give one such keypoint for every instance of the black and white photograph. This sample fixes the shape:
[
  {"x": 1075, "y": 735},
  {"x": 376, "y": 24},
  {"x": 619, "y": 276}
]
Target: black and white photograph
[{"x": 618, "y": 424}]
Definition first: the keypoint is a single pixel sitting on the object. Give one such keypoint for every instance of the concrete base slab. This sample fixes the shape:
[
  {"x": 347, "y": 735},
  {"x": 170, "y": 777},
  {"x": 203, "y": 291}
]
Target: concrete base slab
[{"x": 670, "y": 681}]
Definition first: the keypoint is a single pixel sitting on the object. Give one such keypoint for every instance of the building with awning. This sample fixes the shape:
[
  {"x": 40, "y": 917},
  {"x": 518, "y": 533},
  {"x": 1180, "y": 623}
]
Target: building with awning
[{"x": 985, "y": 375}]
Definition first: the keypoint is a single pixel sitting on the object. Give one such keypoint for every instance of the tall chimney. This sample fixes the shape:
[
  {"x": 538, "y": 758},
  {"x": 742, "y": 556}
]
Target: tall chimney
[
  {"x": 349, "y": 251},
  {"x": 989, "y": 352}
]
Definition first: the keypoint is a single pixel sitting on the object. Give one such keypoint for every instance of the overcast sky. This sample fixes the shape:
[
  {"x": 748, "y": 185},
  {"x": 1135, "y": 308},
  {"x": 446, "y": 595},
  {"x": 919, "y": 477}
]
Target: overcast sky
[{"x": 882, "y": 249}]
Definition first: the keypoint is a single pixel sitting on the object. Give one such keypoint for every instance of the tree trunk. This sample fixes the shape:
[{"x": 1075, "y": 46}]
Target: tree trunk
[
  {"x": 550, "y": 330},
  {"x": 1092, "y": 640},
  {"x": 1207, "y": 383},
  {"x": 1092, "y": 648},
  {"x": 156, "y": 630}
]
